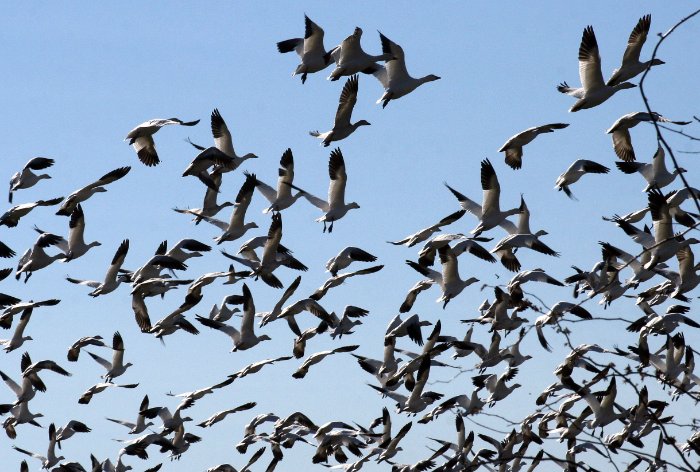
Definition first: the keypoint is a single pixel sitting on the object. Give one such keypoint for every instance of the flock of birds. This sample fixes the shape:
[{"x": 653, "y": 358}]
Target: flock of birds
[{"x": 581, "y": 402}]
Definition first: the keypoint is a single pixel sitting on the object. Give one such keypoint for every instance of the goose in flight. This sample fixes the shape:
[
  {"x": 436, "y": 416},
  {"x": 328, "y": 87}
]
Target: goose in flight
[
  {"x": 394, "y": 77},
  {"x": 112, "y": 278},
  {"x": 593, "y": 89},
  {"x": 342, "y": 128},
  {"x": 12, "y": 216},
  {"x": 449, "y": 280},
  {"x": 246, "y": 337},
  {"x": 36, "y": 258},
  {"x": 346, "y": 257},
  {"x": 26, "y": 178},
  {"x": 313, "y": 54},
  {"x": 82, "y": 194},
  {"x": 117, "y": 366},
  {"x": 351, "y": 59},
  {"x": 622, "y": 141},
  {"x": 74, "y": 350},
  {"x": 655, "y": 173},
  {"x": 141, "y": 425},
  {"x": 18, "y": 336},
  {"x": 318, "y": 357},
  {"x": 280, "y": 198},
  {"x": 423, "y": 234},
  {"x": 576, "y": 170},
  {"x": 87, "y": 395},
  {"x": 236, "y": 227},
  {"x": 631, "y": 66},
  {"x": 513, "y": 148},
  {"x": 496, "y": 384},
  {"x": 76, "y": 243},
  {"x": 489, "y": 214},
  {"x": 141, "y": 138},
  {"x": 223, "y": 143},
  {"x": 50, "y": 459},
  {"x": 210, "y": 206},
  {"x": 219, "y": 416},
  {"x": 335, "y": 208},
  {"x": 339, "y": 279}
]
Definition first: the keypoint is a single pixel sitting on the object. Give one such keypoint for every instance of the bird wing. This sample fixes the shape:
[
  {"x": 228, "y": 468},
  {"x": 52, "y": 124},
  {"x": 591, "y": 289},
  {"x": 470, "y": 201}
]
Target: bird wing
[
  {"x": 348, "y": 98},
  {"x": 222, "y": 136},
  {"x": 589, "y": 61},
  {"x": 336, "y": 171},
  {"x": 636, "y": 41},
  {"x": 396, "y": 67}
]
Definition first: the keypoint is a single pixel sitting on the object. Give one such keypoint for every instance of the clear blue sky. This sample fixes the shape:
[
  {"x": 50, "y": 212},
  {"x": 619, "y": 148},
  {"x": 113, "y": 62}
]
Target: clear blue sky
[{"x": 77, "y": 77}]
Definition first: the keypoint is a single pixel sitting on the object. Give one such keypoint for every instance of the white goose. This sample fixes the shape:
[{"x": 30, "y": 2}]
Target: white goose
[
  {"x": 346, "y": 257},
  {"x": 117, "y": 366},
  {"x": 655, "y": 173},
  {"x": 141, "y": 138},
  {"x": 310, "y": 49},
  {"x": 26, "y": 178},
  {"x": 578, "y": 169},
  {"x": 631, "y": 66},
  {"x": 36, "y": 258},
  {"x": 83, "y": 193},
  {"x": 593, "y": 90},
  {"x": 335, "y": 208},
  {"x": 210, "y": 207},
  {"x": 12, "y": 216},
  {"x": 281, "y": 198},
  {"x": 423, "y": 234},
  {"x": 449, "y": 280},
  {"x": 351, "y": 59},
  {"x": 236, "y": 227},
  {"x": 223, "y": 143},
  {"x": 141, "y": 425},
  {"x": 111, "y": 280},
  {"x": 342, "y": 128},
  {"x": 394, "y": 76},
  {"x": 50, "y": 459},
  {"x": 76, "y": 242},
  {"x": 490, "y": 212},
  {"x": 246, "y": 337},
  {"x": 622, "y": 141},
  {"x": 18, "y": 336},
  {"x": 513, "y": 148}
]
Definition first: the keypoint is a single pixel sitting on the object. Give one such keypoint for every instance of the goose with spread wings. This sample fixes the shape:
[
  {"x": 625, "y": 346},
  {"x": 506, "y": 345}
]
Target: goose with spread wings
[
  {"x": 622, "y": 141},
  {"x": 335, "y": 208},
  {"x": 236, "y": 227},
  {"x": 83, "y": 193},
  {"x": 593, "y": 89},
  {"x": 26, "y": 178},
  {"x": 313, "y": 54},
  {"x": 350, "y": 58},
  {"x": 394, "y": 77},
  {"x": 141, "y": 138},
  {"x": 342, "y": 128},
  {"x": 513, "y": 148},
  {"x": 631, "y": 65},
  {"x": 280, "y": 198}
]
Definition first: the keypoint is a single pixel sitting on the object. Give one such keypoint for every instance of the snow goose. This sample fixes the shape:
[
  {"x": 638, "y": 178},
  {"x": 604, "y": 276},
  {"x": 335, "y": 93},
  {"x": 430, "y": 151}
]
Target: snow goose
[
  {"x": 82, "y": 194},
  {"x": 236, "y": 227},
  {"x": 631, "y": 66},
  {"x": 344, "y": 325},
  {"x": 74, "y": 350},
  {"x": 50, "y": 459},
  {"x": 342, "y": 128},
  {"x": 76, "y": 243},
  {"x": 578, "y": 169},
  {"x": 12, "y": 216},
  {"x": 69, "y": 429},
  {"x": 219, "y": 416},
  {"x": 36, "y": 258},
  {"x": 666, "y": 243},
  {"x": 318, "y": 357},
  {"x": 246, "y": 337},
  {"x": 410, "y": 327},
  {"x": 655, "y": 173},
  {"x": 513, "y": 148},
  {"x": 554, "y": 314},
  {"x": 141, "y": 425},
  {"x": 282, "y": 197},
  {"x": 530, "y": 241},
  {"x": 26, "y": 178},
  {"x": 346, "y": 257},
  {"x": 394, "y": 76},
  {"x": 173, "y": 322},
  {"x": 640, "y": 273},
  {"x": 662, "y": 324},
  {"x": 310, "y": 49},
  {"x": 496, "y": 384},
  {"x": 187, "y": 248},
  {"x": 335, "y": 208},
  {"x": 687, "y": 278},
  {"x": 351, "y": 59},
  {"x": 201, "y": 163},
  {"x": 223, "y": 143},
  {"x": 339, "y": 279},
  {"x": 593, "y": 90},
  {"x": 449, "y": 280},
  {"x": 304, "y": 305},
  {"x": 491, "y": 214},
  {"x": 18, "y": 336},
  {"x": 412, "y": 295},
  {"x": 256, "y": 367},
  {"x": 423, "y": 234},
  {"x": 117, "y": 366},
  {"x": 141, "y": 138},
  {"x": 210, "y": 207},
  {"x": 8, "y": 314},
  {"x": 622, "y": 141},
  {"x": 111, "y": 280}
]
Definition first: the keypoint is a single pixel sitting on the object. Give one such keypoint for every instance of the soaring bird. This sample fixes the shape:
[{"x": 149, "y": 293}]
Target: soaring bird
[
  {"x": 83, "y": 193},
  {"x": 513, "y": 148},
  {"x": 631, "y": 66},
  {"x": 26, "y": 178},
  {"x": 576, "y": 170},
  {"x": 351, "y": 59}
]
